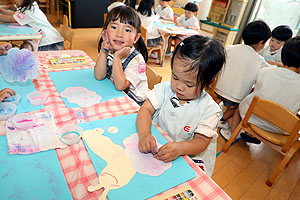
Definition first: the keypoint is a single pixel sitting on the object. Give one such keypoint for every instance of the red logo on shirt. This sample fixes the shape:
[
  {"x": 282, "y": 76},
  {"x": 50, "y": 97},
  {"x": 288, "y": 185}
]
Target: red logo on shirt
[
  {"x": 142, "y": 68},
  {"x": 187, "y": 128},
  {"x": 20, "y": 16}
]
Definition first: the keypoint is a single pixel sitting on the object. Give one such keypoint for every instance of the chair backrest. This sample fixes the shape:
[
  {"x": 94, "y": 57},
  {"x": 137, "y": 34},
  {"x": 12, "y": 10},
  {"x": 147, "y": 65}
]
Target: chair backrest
[
  {"x": 211, "y": 90},
  {"x": 104, "y": 18},
  {"x": 152, "y": 78},
  {"x": 66, "y": 32},
  {"x": 144, "y": 34},
  {"x": 171, "y": 3},
  {"x": 45, "y": 4},
  {"x": 276, "y": 115}
]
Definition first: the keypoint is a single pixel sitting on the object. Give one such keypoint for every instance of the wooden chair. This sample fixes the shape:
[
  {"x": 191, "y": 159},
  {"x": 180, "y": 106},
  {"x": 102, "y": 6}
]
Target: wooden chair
[
  {"x": 45, "y": 4},
  {"x": 152, "y": 78},
  {"x": 104, "y": 18},
  {"x": 159, "y": 48},
  {"x": 281, "y": 117},
  {"x": 67, "y": 33},
  {"x": 211, "y": 90}
]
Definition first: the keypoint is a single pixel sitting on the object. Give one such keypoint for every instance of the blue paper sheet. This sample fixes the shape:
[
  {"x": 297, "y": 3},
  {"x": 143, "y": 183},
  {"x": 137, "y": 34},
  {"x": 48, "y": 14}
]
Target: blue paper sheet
[
  {"x": 84, "y": 78},
  {"x": 141, "y": 186},
  {"x": 34, "y": 176},
  {"x": 22, "y": 89},
  {"x": 13, "y": 29}
]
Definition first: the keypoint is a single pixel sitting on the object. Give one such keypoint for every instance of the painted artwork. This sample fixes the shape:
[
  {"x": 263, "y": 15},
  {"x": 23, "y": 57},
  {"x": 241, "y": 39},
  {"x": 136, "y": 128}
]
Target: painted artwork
[
  {"x": 18, "y": 65},
  {"x": 81, "y": 96},
  {"x": 123, "y": 171}
]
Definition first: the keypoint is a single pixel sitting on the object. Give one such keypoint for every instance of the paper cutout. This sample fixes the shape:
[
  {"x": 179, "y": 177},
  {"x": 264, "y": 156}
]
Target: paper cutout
[
  {"x": 118, "y": 171},
  {"x": 18, "y": 65},
  {"x": 144, "y": 163},
  {"x": 113, "y": 130},
  {"x": 81, "y": 96},
  {"x": 122, "y": 164}
]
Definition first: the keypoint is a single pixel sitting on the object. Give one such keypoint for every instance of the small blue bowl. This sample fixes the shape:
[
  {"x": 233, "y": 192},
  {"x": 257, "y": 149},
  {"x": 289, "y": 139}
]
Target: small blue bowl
[
  {"x": 15, "y": 99},
  {"x": 7, "y": 110}
]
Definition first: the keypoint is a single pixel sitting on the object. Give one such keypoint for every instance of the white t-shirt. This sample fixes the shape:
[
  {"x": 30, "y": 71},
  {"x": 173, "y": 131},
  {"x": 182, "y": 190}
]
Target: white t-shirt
[
  {"x": 276, "y": 84},
  {"x": 239, "y": 74},
  {"x": 36, "y": 19},
  {"x": 135, "y": 73},
  {"x": 164, "y": 12},
  {"x": 268, "y": 55},
  {"x": 193, "y": 21},
  {"x": 148, "y": 24},
  {"x": 200, "y": 115}
]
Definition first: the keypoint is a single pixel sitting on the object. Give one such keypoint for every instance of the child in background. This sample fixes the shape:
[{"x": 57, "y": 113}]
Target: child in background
[
  {"x": 164, "y": 10},
  {"x": 118, "y": 58},
  {"x": 116, "y": 3},
  {"x": 29, "y": 13},
  {"x": 182, "y": 108},
  {"x": 272, "y": 52},
  {"x": 187, "y": 20},
  {"x": 148, "y": 17},
  {"x": 278, "y": 84},
  {"x": 240, "y": 71}
]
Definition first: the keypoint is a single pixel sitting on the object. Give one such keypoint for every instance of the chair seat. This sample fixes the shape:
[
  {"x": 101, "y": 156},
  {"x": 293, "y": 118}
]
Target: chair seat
[{"x": 275, "y": 138}]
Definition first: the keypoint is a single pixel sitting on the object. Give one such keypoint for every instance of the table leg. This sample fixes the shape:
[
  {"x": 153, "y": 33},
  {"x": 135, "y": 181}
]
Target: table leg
[{"x": 165, "y": 49}]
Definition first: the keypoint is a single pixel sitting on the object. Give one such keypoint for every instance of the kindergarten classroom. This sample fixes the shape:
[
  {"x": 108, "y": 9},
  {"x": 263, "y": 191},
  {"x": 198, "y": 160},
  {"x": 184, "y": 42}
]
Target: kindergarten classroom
[{"x": 241, "y": 173}]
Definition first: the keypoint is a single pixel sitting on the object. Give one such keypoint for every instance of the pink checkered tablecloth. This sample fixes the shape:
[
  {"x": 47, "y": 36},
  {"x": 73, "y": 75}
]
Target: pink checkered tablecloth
[{"x": 75, "y": 162}]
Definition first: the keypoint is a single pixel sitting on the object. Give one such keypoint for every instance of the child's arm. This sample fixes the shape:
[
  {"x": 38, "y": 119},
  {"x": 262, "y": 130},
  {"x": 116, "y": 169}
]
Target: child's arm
[
  {"x": 279, "y": 64},
  {"x": 120, "y": 81},
  {"x": 5, "y": 93},
  {"x": 173, "y": 150},
  {"x": 5, "y": 11},
  {"x": 7, "y": 16},
  {"x": 147, "y": 142},
  {"x": 100, "y": 68}
]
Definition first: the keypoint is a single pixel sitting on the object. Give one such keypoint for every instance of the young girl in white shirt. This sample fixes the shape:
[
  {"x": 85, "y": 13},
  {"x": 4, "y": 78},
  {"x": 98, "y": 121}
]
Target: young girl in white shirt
[
  {"x": 148, "y": 18},
  {"x": 118, "y": 57},
  {"x": 182, "y": 108},
  {"x": 29, "y": 13}
]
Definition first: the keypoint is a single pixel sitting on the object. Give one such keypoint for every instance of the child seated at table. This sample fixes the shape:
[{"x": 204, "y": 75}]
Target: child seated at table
[
  {"x": 116, "y": 3},
  {"x": 277, "y": 84},
  {"x": 272, "y": 52},
  {"x": 148, "y": 17},
  {"x": 164, "y": 10},
  {"x": 118, "y": 58},
  {"x": 240, "y": 71},
  {"x": 182, "y": 108},
  {"x": 29, "y": 13},
  {"x": 187, "y": 20}
]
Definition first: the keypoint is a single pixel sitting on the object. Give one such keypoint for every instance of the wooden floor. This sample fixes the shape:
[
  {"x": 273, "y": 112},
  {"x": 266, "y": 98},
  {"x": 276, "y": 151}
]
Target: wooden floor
[{"x": 243, "y": 170}]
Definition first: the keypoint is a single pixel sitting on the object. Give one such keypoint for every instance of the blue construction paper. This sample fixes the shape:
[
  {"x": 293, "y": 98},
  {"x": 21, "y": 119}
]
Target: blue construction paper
[
  {"x": 84, "y": 78},
  {"x": 32, "y": 176},
  {"x": 141, "y": 186},
  {"x": 6, "y": 29},
  {"x": 22, "y": 89}
]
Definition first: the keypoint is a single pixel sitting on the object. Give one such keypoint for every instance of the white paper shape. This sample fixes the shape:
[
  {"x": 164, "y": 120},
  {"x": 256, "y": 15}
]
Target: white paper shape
[{"x": 81, "y": 96}]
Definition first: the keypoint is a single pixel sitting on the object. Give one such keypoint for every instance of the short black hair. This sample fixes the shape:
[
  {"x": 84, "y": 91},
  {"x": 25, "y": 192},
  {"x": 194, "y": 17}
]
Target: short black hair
[
  {"x": 282, "y": 33},
  {"x": 145, "y": 7},
  {"x": 206, "y": 56},
  {"x": 191, "y": 7},
  {"x": 255, "y": 32},
  {"x": 290, "y": 54}
]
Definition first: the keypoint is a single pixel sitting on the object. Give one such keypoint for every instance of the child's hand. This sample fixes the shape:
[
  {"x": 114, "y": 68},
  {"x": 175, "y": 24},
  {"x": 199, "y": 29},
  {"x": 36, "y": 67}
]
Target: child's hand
[
  {"x": 178, "y": 24},
  {"x": 123, "y": 53},
  {"x": 5, "y": 93},
  {"x": 105, "y": 44},
  {"x": 147, "y": 144},
  {"x": 168, "y": 152},
  {"x": 4, "y": 48}
]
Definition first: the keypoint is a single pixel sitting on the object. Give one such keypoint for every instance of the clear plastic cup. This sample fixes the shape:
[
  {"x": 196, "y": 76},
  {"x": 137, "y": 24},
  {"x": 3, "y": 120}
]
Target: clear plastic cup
[
  {"x": 7, "y": 110},
  {"x": 24, "y": 120},
  {"x": 70, "y": 134},
  {"x": 15, "y": 99},
  {"x": 37, "y": 97}
]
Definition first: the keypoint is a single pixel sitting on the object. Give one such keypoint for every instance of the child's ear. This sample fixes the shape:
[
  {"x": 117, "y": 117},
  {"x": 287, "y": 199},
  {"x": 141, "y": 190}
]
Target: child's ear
[{"x": 137, "y": 37}]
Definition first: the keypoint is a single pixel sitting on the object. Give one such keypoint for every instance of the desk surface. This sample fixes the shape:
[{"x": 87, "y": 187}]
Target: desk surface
[
  {"x": 13, "y": 31},
  {"x": 75, "y": 162}
]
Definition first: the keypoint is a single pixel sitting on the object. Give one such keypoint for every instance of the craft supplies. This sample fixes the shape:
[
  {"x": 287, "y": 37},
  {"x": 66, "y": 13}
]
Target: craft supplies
[
  {"x": 65, "y": 62},
  {"x": 37, "y": 97},
  {"x": 70, "y": 134},
  {"x": 15, "y": 99},
  {"x": 7, "y": 110},
  {"x": 24, "y": 120}
]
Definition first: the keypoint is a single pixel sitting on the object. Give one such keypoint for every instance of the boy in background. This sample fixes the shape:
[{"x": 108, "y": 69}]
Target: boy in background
[
  {"x": 272, "y": 52},
  {"x": 240, "y": 71},
  {"x": 164, "y": 10},
  {"x": 277, "y": 84},
  {"x": 187, "y": 20}
]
